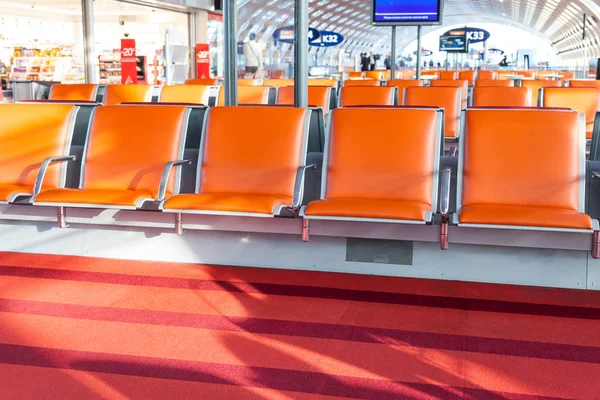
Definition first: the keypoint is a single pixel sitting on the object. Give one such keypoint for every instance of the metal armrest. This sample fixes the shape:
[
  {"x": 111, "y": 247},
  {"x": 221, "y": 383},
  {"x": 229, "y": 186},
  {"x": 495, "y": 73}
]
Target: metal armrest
[
  {"x": 595, "y": 174},
  {"x": 164, "y": 179},
  {"x": 39, "y": 180},
  {"x": 445, "y": 192},
  {"x": 445, "y": 207},
  {"x": 299, "y": 185}
]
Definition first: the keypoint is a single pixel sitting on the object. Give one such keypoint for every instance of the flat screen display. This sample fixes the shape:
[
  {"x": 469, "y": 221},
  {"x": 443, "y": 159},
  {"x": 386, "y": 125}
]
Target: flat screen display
[
  {"x": 407, "y": 12},
  {"x": 453, "y": 43}
]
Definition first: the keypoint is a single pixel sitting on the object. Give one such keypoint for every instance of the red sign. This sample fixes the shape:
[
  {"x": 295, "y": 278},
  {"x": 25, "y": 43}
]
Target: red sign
[
  {"x": 202, "y": 60},
  {"x": 128, "y": 62}
]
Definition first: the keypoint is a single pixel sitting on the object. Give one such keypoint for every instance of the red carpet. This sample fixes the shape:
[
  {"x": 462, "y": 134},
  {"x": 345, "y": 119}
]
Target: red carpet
[{"x": 82, "y": 328}]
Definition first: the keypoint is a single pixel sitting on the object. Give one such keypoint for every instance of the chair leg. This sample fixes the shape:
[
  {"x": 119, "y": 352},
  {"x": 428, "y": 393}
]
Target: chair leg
[
  {"x": 596, "y": 244},
  {"x": 178, "y": 224},
  {"x": 305, "y": 232},
  {"x": 60, "y": 215},
  {"x": 444, "y": 234}
]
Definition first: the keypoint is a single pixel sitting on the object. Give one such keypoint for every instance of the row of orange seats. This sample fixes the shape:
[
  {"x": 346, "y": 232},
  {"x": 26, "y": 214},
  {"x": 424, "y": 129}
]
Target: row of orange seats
[{"x": 253, "y": 160}]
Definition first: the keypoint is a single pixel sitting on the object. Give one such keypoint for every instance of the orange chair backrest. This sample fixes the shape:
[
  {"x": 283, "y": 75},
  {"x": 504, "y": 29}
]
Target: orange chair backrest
[
  {"x": 567, "y": 74},
  {"x": 318, "y": 96},
  {"x": 583, "y": 99},
  {"x": 202, "y": 81},
  {"x": 129, "y": 146},
  {"x": 505, "y": 74},
  {"x": 404, "y": 83},
  {"x": 360, "y": 165},
  {"x": 367, "y": 96},
  {"x": 193, "y": 94},
  {"x": 536, "y": 85},
  {"x": 448, "y": 75},
  {"x": 487, "y": 75},
  {"x": 501, "y": 97},
  {"x": 29, "y": 133},
  {"x": 377, "y": 75},
  {"x": 278, "y": 82},
  {"x": 355, "y": 75},
  {"x": 362, "y": 82},
  {"x": 249, "y": 82},
  {"x": 261, "y": 157},
  {"x": 388, "y": 75},
  {"x": 493, "y": 83},
  {"x": 248, "y": 95},
  {"x": 323, "y": 82},
  {"x": 448, "y": 98},
  {"x": 277, "y": 74},
  {"x": 528, "y": 74},
  {"x": 468, "y": 76},
  {"x": 78, "y": 92},
  {"x": 510, "y": 177},
  {"x": 463, "y": 84},
  {"x": 579, "y": 83},
  {"x": 117, "y": 94}
]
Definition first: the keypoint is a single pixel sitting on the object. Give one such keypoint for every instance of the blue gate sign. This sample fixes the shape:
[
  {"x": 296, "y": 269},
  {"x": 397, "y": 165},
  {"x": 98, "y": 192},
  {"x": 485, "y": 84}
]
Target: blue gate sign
[
  {"x": 328, "y": 38},
  {"x": 286, "y": 34},
  {"x": 474, "y": 35}
]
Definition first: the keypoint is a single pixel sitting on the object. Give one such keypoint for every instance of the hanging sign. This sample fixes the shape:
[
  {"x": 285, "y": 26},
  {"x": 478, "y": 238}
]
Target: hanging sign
[
  {"x": 128, "y": 62},
  {"x": 474, "y": 35},
  {"x": 328, "y": 38},
  {"x": 286, "y": 34},
  {"x": 202, "y": 60},
  {"x": 425, "y": 53}
]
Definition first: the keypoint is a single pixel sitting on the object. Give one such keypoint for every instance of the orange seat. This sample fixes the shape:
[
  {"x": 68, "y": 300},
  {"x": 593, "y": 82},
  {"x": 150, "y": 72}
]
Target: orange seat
[
  {"x": 29, "y": 134},
  {"x": 318, "y": 96},
  {"x": 362, "y": 82},
  {"x": 249, "y": 162},
  {"x": 377, "y": 75},
  {"x": 505, "y": 188},
  {"x": 448, "y": 98},
  {"x": 388, "y": 75},
  {"x": 362, "y": 171},
  {"x": 117, "y": 94},
  {"x": 78, "y": 92},
  {"x": 501, "y": 97},
  {"x": 278, "y": 83},
  {"x": 368, "y": 96},
  {"x": 493, "y": 83},
  {"x": 583, "y": 99},
  {"x": 248, "y": 95},
  {"x": 579, "y": 83},
  {"x": 202, "y": 81},
  {"x": 249, "y": 82},
  {"x": 323, "y": 82},
  {"x": 504, "y": 74},
  {"x": 528, "y": 74},
  {"x": 355, "y": 75},
  {"x": 567, "y": 74},
  {"x": 128, "y": 149},
  {"x": 536, "y": 85},
  {"x": 463, "y": 84},
  {"x": 486, "y": 75},
  {"x": 192, "y": 94},
  {"x": 448, "y": 75},
  {"x": 277, "y": 74},
  {"x": 468, "y": 76}
]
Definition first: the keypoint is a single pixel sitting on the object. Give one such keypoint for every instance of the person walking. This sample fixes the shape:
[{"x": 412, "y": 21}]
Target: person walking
[{"x": 253, "y": 54}]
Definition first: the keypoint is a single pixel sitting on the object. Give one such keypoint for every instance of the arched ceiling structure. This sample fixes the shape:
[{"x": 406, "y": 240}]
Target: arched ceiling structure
[{"x": 558, "y": 21}]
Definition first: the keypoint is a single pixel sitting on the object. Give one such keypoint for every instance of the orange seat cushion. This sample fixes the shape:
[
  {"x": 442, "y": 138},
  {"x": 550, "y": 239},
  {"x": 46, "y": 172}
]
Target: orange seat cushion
[
  {"x": 369, "y": 208},
  {"x": 7, "y": 190},
  {"x": 227, "y": 202},
  {"x": 124, "y": 198},
  {"x": 525, "y": 216}
]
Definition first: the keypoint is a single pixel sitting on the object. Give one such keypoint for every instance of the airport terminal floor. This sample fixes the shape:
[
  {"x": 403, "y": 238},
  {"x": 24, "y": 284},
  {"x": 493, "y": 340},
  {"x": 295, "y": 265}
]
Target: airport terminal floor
[{"x": 261, "y": 216}]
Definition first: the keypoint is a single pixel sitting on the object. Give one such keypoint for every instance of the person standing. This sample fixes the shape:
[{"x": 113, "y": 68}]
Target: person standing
[
  {"x": 253, "y": 54},
  {"x": 371, "y": 62},
  {"x": 364, "y": 62},
  {"x": 388, "y": 62}
]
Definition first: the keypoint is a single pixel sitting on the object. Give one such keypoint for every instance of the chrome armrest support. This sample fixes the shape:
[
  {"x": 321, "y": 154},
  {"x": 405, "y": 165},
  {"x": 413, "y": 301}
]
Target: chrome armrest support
[
  {"x": 445, "y": 192},
  {"x": 299, "y": 185},
  {"x": 445, "y": 207},
  {"x": 595, "y": 174},
  {"x": 164, "y": 179},
  {"x": 39, "y": 180}
]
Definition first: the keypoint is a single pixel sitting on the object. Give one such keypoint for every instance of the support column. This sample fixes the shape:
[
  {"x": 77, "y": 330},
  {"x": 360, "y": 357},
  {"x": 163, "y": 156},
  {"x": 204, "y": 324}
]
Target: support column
[
  {"x": 419, "y": 52},
  {"x": 89, "y": 49},
  {"x": 230, "y": 56},
  {"x": 301, "y": 54},
  {"x": 393, "y": 54}
]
